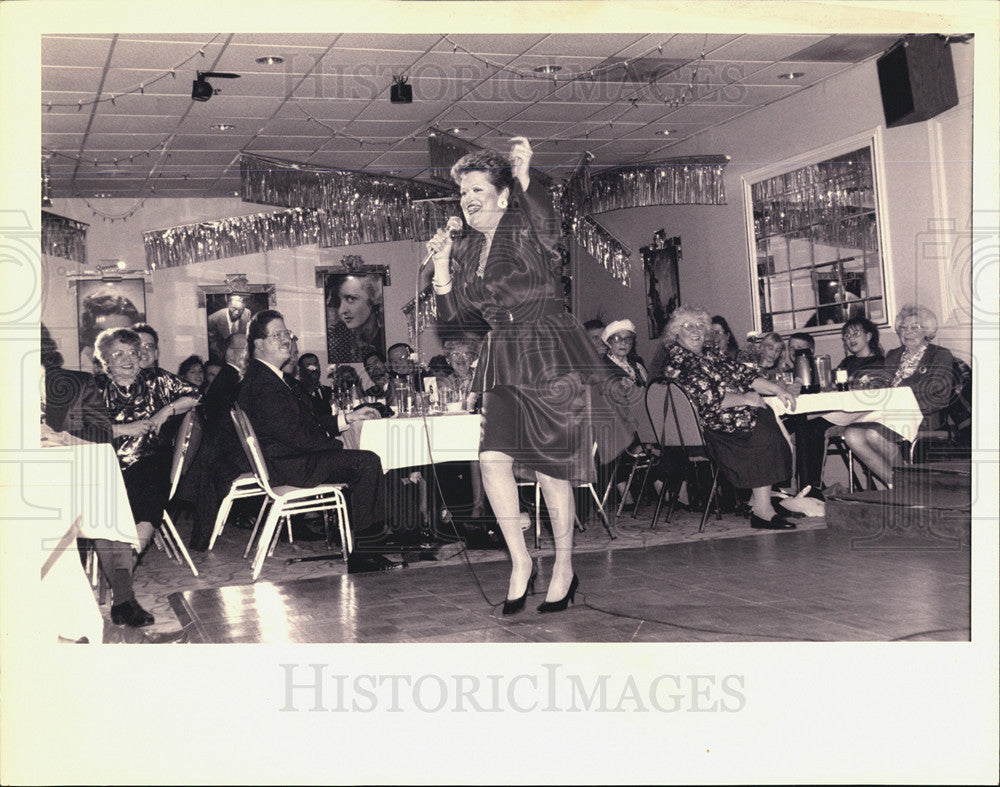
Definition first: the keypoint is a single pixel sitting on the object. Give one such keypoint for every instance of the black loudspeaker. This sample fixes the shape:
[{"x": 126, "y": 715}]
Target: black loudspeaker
[
  {"x": 401, "y": 93},
  {"x": 917, "y": 80}
]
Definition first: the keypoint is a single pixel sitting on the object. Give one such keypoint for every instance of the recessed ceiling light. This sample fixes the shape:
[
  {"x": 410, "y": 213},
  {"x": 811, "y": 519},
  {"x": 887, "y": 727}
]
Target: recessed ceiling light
[
  {"x": 457, "y": 130},
  {"x": 792, "y": 75},
  {"x": 547, "y": 69},
  {"x": 223, "y": 127},
  {"x": 270, "y": 60},
  {"x": 102, "y": 195},
  {"x": 666, "y": 132}
]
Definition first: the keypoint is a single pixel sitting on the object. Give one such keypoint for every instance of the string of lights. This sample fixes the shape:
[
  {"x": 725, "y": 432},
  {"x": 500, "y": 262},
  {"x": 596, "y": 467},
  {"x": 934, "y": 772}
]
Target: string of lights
[{"x": 140, "y": 88}]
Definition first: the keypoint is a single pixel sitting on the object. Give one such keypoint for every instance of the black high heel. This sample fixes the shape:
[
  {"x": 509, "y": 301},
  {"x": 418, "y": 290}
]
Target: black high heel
[
  {"x": 512, "y": 606},
  {"x": 560, "y": 605}
]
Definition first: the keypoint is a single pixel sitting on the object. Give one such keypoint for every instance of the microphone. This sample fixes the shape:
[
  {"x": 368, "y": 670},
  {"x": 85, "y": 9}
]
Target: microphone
[{"x": 454, "y": 227}]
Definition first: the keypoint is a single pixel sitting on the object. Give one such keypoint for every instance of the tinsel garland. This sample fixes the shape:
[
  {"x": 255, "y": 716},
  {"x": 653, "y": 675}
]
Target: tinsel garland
[
  {"x": 695, "y": 180},
  {"x": 62, "y": 237},
  {"x": 428, "y": 216},
  {"x": 353, "y": 207},
  {"x": 426, "y": 314},
  {"x": 604, "y": 247},
  {"x": 233, "y": 237}
]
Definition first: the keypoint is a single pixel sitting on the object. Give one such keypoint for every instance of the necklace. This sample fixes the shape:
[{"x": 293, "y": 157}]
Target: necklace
[{"x": 484, "y": 255}]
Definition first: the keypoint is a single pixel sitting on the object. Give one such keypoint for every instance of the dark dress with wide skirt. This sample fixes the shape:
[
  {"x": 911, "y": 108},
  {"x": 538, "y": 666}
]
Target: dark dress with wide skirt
[{"x": 546, "y": 399}]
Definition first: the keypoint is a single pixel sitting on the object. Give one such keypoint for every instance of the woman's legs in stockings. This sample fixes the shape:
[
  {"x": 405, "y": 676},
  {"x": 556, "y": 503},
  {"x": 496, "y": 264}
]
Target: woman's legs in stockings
[
  {"x": 878, "y": 452},
  {"x": 501, "y": 489},
  {"x": 562, "y": 510}
]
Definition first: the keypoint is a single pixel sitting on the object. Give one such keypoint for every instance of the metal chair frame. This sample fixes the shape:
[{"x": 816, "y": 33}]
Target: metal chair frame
[
  {"x": 693, "y": 445},
  {"x": 167, "y": 537},
  {"x": 288, "y": 500}
]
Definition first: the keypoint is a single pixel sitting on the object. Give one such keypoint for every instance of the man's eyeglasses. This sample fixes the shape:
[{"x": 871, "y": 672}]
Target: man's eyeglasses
[
  {"x": 146, "y": 346},
  {"x": 281, "y": 336},
  {"x": 461, "y": 355}
]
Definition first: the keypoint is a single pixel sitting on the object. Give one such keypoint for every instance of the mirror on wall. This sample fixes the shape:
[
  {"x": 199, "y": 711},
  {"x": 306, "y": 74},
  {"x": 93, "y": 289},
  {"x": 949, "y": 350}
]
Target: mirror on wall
[{"x": 816, "y": 244}]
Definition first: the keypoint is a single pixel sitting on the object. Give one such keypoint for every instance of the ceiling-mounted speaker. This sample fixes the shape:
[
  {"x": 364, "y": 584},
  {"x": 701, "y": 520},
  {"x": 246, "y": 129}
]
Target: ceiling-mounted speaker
[{"x": 917, "y": 80}]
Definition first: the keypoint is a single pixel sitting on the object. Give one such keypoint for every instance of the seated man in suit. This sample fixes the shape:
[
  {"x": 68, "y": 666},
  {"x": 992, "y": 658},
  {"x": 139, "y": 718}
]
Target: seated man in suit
[
  {"x": 318, "y": 395},
  {"x": 298, "y": 449}
]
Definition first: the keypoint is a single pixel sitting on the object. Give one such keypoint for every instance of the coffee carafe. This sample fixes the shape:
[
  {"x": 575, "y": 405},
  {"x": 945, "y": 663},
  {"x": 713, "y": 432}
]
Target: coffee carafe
[{"x": 805, "y": 371}]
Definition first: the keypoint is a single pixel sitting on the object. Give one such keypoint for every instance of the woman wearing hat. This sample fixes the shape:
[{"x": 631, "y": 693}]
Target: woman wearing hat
[
  {"x": 621, "y": 357},
  {"x": 537, "y": 368}
]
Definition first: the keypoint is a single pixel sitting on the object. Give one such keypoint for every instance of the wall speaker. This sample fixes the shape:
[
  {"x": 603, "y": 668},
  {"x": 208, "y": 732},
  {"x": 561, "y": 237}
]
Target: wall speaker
[
  {"x": 401, "y": 93},
  {"x": 917, "y": 80}
]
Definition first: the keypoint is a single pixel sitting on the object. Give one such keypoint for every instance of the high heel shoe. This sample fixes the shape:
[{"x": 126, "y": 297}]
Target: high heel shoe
[
  {"x": 560, "y": 605},
  {"x": 512, "y": 606}
]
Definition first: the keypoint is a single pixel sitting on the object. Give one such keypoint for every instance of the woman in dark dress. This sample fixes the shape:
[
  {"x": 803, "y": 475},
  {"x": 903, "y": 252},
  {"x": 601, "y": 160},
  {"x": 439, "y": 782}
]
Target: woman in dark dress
[
  {"x": 741, "y": 432},
  {"x": 536, "y": 363}
]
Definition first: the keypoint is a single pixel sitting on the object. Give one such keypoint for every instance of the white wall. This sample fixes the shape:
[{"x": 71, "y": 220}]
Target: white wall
[{"x": 928, "y": 176}]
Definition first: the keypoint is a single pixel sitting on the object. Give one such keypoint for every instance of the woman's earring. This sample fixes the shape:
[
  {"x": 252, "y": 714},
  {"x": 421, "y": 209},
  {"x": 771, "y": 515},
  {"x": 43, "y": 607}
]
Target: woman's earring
[{"x": 502, "y": 203}]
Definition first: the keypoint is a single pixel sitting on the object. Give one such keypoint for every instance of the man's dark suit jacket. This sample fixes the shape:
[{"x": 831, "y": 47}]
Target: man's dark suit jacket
[
  {"x": 218, "y": 399},
  {"x": 290, "y": 436},
  {"x": 300, "y": 452},
  {"x": 74, "y": 404}
]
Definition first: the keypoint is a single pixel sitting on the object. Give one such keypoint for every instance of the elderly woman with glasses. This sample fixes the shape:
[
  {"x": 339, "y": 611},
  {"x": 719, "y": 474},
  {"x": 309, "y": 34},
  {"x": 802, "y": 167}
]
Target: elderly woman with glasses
[
  {"x": 625, "y": 364},
  {"x": 139, "y": 402},
  {"x": 927, "y": 369},
  {"x": 741, "y": 432}
]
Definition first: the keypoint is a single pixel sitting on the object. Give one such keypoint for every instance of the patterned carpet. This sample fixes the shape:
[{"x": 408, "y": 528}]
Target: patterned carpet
[{"x": 158, "y": 577}]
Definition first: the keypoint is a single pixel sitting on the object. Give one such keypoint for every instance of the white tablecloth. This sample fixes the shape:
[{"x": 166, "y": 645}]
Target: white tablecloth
[
  {"x": 402, "y": 442},
  {"x": 894, "y": 408},
  {"x": 44, "y": 492}
]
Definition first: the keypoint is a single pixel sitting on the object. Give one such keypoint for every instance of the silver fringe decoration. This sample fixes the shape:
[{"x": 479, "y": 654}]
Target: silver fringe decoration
[
  {"x": 352, "y": 207},
  {"x": 62, "y": 237},
  {"x": 233, "y": 237}
]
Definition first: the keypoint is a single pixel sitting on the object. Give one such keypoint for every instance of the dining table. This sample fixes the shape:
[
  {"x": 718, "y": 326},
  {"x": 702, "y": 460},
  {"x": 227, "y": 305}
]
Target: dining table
[
  {"x": 64, "y": 490},
  {"x": 893, "y": 408},
  {"x": 418, "y": 440}
]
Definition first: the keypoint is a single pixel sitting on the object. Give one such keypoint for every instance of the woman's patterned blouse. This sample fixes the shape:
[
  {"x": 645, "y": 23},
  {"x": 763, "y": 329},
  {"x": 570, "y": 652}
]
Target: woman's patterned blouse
[
  {"x": 707, "y": 378},
  {"x": 152, "y": 390}
]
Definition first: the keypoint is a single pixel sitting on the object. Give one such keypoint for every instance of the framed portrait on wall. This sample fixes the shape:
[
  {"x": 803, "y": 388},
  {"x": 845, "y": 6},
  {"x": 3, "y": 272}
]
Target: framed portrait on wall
[
  {"x": 228, "y": 310},
  {"x": 103, "y": 304},
  {"x": 355, "y": 315},
  {"x": 663, "y": 292}
]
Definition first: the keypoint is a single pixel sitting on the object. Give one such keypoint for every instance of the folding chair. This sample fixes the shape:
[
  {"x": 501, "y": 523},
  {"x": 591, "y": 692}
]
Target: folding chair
[
  {"x": 244, "y": 486},
  {"x": 677, "y": 425},
  {"x": 288, "y": 500},
  {"x": 166, "y": 537},
  {"x": 643, "y": 455}
]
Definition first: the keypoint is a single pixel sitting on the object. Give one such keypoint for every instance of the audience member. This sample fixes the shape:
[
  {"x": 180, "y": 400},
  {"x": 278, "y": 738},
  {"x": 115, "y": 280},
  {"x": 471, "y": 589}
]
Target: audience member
[
  {"x": 722, "y": 338},
  {"x": 149, "y": 347},
  {"x": 378, "y": 373},
  {"x": 298, "y": 449},
  {"x": 595, "y": 329},
  {"x": 318, "y": 395},
  {"x": 741, "y": 433},
  {"x": 192, "y": 369},
  {"x": 862, "y": 350},
  {"x": 212, "y": 368},
  {"x": 462, "y": 355},
  {"x": 927, "y": 369},
  {"x": 74, "y": 404},
  {"x": 102, "y": 309}
]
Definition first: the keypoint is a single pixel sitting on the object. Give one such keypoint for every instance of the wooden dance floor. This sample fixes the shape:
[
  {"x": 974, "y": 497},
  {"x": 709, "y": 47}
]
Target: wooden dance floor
[{"x": 815, "y": 585}]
